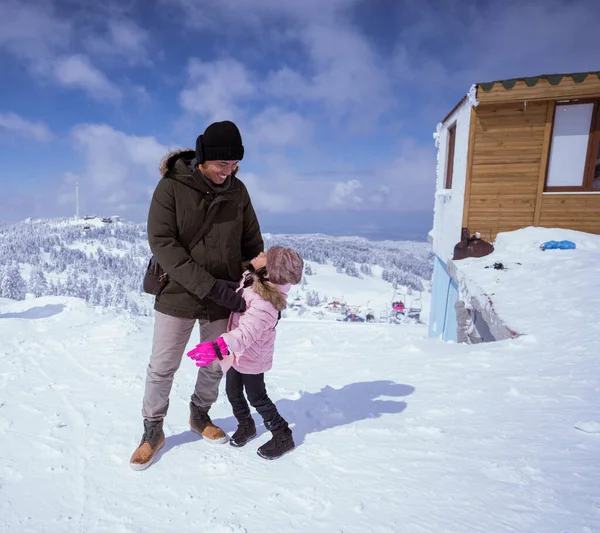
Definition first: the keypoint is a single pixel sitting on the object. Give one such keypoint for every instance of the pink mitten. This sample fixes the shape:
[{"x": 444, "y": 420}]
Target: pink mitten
[{"x": 207, "y": 352}]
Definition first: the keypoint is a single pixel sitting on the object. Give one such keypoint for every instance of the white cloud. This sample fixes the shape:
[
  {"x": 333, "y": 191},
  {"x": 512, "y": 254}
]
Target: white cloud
[
  {"x": 225, "y": 90},
  {"x": 343, "y": 73},
  {"x": 275, "y": 127},
  {"x": 50, "y": 45},
  {"x": 76, "y": 71},
  {"x": 546, "y": 36},
  {"x": 203, "y": 14},
  {"x": 404, "y": 183},
  {"x": 287, "y": 82},
  {"x": 348, "y": 77},
  {"x": 431, "y": 45},
  {"x": 496, "y": 40},
  {"x": 263, "y": 198},
  {"x": 214, "y": 89},
  {"x": 31, "y": 30},
  {"x": 286, "y": 192},
  {"x": 20, "y": 127},
  {"x": 345, "y": 194},
  {"x": 123, "y": 38},
  {"x": 119, "y": 169}
]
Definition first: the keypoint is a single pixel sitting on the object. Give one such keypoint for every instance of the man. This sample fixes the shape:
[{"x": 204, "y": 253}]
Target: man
[{"x": 195, "y": 185}]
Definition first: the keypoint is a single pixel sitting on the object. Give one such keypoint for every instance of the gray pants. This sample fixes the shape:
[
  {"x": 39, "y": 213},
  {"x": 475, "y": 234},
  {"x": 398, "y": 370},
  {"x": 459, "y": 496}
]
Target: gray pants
[{"x": 171, "y": 336}]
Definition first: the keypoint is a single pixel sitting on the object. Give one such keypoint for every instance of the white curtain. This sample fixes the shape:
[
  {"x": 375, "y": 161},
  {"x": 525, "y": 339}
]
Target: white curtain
[{"x": 569, "y": 145}]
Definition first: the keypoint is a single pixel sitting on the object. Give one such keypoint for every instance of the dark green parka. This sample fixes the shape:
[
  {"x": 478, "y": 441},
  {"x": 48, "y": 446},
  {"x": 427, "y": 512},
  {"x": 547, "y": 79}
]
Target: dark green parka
[{"x": 177, "y": 211}]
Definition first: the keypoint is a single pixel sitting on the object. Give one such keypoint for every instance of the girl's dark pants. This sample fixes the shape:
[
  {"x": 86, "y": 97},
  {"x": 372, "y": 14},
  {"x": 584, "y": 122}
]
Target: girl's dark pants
[{"x": 254, "y": 384}]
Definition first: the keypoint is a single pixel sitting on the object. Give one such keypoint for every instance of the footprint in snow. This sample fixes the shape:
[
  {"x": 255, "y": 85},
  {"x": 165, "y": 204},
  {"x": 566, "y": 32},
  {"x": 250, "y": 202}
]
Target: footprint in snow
[{"x": 589, "y": 427}]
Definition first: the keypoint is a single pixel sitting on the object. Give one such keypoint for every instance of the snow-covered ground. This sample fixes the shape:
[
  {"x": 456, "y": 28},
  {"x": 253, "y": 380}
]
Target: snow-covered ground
[
  {"x": 394, "y": 432},
  {"x": 551, "y": 293}
]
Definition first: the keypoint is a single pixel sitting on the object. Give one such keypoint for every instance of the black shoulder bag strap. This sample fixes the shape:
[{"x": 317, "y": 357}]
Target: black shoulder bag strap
[{"x": 210, "y": 214}]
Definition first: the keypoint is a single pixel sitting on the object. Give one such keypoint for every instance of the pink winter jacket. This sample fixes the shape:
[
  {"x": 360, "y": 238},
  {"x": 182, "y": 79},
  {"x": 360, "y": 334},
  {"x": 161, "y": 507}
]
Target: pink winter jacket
[{"x": 251, "y": 335}]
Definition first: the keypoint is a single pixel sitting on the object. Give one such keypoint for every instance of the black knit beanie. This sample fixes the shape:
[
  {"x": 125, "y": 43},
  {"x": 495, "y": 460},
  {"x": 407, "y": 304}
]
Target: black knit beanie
[{"x": 220, "y": 141}]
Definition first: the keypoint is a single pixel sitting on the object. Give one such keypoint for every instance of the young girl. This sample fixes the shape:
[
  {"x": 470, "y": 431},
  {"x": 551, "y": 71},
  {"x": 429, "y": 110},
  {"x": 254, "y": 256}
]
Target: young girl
[{"x": 247, "y": 348}]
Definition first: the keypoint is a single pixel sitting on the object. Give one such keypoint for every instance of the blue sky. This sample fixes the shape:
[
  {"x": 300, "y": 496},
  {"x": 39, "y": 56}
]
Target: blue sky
[{"x": 336, "y": 100}]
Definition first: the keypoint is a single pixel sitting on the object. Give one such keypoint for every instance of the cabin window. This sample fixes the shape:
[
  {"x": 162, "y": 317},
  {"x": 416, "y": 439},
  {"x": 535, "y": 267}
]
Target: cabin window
[
  {"x": 574, "y": 158},
  {"x": 450, "y": 156},
  {"x": 596, "y": 163}
]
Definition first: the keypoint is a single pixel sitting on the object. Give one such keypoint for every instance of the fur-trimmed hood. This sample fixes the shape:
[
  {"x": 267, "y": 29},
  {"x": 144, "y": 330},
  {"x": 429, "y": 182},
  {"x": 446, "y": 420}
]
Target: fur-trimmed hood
[
  {"x": 275, "y": 294},
  {"x": 168, "y": 163},
  {"x": 177, "y": 165}
]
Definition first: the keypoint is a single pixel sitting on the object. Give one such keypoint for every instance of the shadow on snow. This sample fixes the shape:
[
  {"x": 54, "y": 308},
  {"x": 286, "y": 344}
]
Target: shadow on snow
[
  {"x": 37, "y": 312},
  {"x": 319, "y": 411}
]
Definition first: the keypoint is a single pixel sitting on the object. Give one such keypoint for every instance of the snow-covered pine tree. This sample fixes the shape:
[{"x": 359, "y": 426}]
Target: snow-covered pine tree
[
  {"x": 51, "y": 288},
  {"x": 133, "y": 307},
  {"x": 97, "y": 294},
  {"x": 351, "y": 269},
  {"x": 83, "y": 289},
  {"x": 38, "y": 286},
  {"x": 107, "y": 295},
  {"x": 12, "y": 284},
  {"x": 312, "y": 298},
  {"x": 118, "y": 295},
  {"x": 59, "y": 288},
  {"x": 72, "y": 283}
]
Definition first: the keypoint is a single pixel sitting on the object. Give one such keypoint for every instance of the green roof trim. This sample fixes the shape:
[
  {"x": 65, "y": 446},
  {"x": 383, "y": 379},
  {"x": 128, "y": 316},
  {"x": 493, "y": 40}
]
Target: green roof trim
[
  {"x": 555, "y": 79},
  {"x": 532, "y": 81}
]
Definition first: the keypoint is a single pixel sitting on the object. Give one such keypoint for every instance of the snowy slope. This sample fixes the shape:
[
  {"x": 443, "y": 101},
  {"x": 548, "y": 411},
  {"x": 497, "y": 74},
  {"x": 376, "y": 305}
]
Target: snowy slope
[
  {"x": 395, "y": 432},
  {"x": 103, "y": 263}
]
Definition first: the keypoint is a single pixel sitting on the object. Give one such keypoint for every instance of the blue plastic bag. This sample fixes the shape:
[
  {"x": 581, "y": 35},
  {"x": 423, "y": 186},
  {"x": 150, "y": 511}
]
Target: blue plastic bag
[{"x": 561, "y": 245}]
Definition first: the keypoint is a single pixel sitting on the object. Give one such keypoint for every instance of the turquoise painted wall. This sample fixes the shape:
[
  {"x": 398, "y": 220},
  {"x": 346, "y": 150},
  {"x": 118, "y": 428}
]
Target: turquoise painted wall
[{"x": 444, "y": 294}]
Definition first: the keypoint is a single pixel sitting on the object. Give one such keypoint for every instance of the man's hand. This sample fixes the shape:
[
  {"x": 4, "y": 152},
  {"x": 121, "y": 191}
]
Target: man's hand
[{"x": 224, "y": 294}]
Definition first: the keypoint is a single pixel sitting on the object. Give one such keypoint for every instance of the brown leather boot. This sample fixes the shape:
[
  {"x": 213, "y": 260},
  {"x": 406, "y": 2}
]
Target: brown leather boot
[
  {"x": 201, "y": 423},
  {"x": 152, "y": 441}
]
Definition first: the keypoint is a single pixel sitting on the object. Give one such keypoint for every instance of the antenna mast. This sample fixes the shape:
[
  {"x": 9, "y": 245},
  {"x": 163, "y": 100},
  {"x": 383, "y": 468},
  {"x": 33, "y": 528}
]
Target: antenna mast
[{"x": 76, "y": 199}]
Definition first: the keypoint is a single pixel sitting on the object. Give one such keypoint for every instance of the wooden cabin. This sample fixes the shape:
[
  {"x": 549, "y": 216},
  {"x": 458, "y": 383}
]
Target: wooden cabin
[{"x": 516, "y": 153}]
